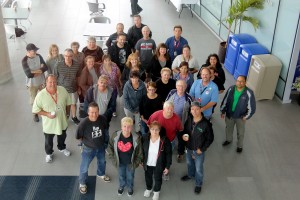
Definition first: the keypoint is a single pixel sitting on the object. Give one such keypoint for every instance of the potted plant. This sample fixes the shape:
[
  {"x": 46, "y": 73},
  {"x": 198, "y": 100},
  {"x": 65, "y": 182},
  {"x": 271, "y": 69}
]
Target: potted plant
[
  {"x": 236, "y": 15},
  {"x": 296, "y": 85}
]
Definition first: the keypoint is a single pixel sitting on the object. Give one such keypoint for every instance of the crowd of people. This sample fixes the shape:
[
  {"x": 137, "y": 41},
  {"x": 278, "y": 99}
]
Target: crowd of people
[{"x": 163, "y": 104}]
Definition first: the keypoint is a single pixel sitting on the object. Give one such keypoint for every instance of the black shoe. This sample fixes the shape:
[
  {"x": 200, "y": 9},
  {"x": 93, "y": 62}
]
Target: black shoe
[
  {"x": 120, "y": 191},
  {"x": 239, "y": 149},
  {"x": 36, "y": 118},
  {"x": 185, "y": 178},
  {"x": 75, "y": 120},
  {"x": 197, "y": 189},
  {"x": 130, "y": 193},
  {"x": 226, "y": 143}
]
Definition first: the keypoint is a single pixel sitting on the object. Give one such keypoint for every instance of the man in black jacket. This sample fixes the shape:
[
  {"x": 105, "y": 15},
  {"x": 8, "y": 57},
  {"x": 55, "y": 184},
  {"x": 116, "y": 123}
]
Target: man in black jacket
[
  {"x": 198, "y": 136},
  {"x": 135, "y": 32},
  {"x": 120, "y": 51},
  {"x": 238, "y": 105}
]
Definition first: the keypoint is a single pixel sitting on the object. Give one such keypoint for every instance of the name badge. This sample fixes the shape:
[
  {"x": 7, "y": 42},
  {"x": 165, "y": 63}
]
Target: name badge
[{"x": 175, "y": 53}]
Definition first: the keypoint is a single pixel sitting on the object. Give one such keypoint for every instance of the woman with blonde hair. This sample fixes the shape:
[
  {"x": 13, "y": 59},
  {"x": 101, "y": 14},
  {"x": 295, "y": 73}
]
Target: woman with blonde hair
[
  {"x": 53, "y": 58},
  {"x": 125, "y": 151},
  {"x": 132, "y": 64}
]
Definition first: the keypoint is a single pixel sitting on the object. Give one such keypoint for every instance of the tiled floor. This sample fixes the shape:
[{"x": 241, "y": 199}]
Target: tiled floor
[{"x": 268, "y": 169}]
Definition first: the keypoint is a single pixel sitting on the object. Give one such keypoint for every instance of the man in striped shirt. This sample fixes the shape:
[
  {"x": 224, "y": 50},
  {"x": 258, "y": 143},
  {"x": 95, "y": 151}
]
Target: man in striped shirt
[{"x": 67, "y": 73}]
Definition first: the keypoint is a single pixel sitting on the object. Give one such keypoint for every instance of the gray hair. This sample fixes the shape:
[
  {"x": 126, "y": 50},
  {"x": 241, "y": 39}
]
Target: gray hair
[
  {"x": 168, "y": 103},
  {"x": 91, "y": 38}
]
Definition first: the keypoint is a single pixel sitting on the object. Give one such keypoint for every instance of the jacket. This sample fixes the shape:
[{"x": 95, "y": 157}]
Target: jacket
[
  {"x": 187, "y": 104},
  {"x": 137, "y": 155},
  {"x": 134, "y": 34},
  {"x": 113, "y": 51},
  {"x": 245, "y": 107},
  {"x": 201, "y": 136},
  {"x": 86, "y": 79},
  {"x": 132, "y": 98},
  {"x": 154, "y": 68},
  {"x": 164, "y": 157},
  {"x": 90, "y": 97}
]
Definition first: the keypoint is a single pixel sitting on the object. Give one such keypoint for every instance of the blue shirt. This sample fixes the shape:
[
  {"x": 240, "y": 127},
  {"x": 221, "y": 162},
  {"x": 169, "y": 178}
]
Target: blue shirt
[
  {"x": 173, "y": 45},
  {"x": 205, "y": 94},
  {"x": 179, "y": 104}
]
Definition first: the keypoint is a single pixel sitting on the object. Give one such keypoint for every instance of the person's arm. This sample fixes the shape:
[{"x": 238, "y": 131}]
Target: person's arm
[
  {"x": 26, "y": 68},
  {"x": 208, "y": 137},
  {"x": 223, "y": 106},
  {"x": 251, "y": 106},
  {"x": 109, "y": 41},
  {"x": 208, "y": 105},
  {"x": 43, "y": 67}
]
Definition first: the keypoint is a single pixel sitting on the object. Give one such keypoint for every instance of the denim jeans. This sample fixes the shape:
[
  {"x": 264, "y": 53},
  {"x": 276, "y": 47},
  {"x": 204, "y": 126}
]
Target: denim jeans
[
  {"x": 195, "y": 166},
  {"x": 126, "y": 176},
  {"x": 144, "y": 128},
  {"x": 87, "y": 156}
]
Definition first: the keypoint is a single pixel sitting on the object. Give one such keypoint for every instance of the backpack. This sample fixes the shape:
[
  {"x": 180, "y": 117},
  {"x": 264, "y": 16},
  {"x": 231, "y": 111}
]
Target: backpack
[{"x": 19, "y": 32}]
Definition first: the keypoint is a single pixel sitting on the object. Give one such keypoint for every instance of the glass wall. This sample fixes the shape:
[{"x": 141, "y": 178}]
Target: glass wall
[{"x": 277, "y": 31}]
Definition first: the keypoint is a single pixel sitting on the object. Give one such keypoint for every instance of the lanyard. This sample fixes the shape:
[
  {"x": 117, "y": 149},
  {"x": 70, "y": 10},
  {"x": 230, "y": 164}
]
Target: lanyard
[
  {"x": 176, "y": 45},
  {"x": 56, "y": 96}
]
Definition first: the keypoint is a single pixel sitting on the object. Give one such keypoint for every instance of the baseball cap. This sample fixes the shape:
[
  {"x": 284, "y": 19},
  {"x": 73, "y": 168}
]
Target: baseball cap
[
  {"x": 196, "y": 103},
  {"x": 31, "y": 47}
]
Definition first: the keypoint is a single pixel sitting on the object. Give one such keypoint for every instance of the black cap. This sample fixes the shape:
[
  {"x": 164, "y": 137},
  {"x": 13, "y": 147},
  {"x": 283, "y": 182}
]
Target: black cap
[
  {"x": 31, "y": 47},
  {"x": 196, "y": 103}
]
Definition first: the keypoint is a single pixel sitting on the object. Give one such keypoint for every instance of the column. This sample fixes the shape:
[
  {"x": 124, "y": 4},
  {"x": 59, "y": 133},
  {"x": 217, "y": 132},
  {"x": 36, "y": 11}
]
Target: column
[{"x": 5, "y": 69}]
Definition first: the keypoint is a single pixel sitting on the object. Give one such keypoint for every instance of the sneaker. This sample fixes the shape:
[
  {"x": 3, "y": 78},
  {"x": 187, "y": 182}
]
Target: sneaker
[
  {"x": 147, "y": 193},
  {"x": 226, "y": 143},
  {"x": 120, "y": 191},
  {"x": 36, "y": 118},
  {"x": 75, "y": 120},
  {"x": 155, "y": 196},
  {"x": 66, "y": 152},
  {"x": 49, "y": 158},
  {"x": 185, "y": 178},
  {"x": 197, "y": 189},
  {"x": 114, "y": 114},
  {"x": 82, "y": 189},
  {"x": 179, "y": 158},
  {"x": 166, "y": 177},
  {"x": 105, "y": 178},
  {"x": 130, "y": 193}
]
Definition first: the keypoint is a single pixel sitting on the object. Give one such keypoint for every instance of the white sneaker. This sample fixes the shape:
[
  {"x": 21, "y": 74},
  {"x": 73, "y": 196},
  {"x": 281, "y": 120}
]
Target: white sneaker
[
  {"x": 155, "y": 196},
  {"x": 147, "y": 193},
  {"x": 49, "y": 158},
  {"x": 66, "y": 152}
]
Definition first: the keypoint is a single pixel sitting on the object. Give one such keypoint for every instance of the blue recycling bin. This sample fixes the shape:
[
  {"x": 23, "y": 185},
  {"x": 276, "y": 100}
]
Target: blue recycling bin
[
  {"x": 234, "y": 42},
  {"x": 246, "y": 52}
]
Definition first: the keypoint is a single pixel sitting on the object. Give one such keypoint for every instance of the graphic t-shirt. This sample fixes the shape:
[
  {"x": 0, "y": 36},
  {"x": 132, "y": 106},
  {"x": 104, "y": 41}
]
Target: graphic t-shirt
[
  {"x": 92, "y": 133},
  {"x": 125, "y": 149}
]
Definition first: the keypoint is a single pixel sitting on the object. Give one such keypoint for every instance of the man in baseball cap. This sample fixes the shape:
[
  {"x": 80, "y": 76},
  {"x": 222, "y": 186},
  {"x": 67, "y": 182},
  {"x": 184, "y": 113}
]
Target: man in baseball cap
[
  {"x": 31, "y": 47},
  {"x": 34, "y": 67}
]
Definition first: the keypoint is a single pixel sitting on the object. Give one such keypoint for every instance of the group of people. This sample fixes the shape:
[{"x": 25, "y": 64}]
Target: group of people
[{"x": 162, "y": 103}]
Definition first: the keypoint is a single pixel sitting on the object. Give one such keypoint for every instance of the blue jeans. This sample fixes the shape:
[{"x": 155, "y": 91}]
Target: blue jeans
[
  {"x": 195, "y": 166},
  {"x": 144, "y": 128},
  {"x": 126, "y": 176},
  {"x": 87, "y": 156}
]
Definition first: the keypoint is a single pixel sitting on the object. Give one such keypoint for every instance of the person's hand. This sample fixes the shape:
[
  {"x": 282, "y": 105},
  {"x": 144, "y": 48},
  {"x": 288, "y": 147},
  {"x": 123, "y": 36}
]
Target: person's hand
[
  {"x": 166, "y": 171},
  {"x": 185, "y": 137},
  {"x": 244, "y": 119},
  {"x": 222, "y": 116},
  {"x": 50, "y": 115},
  {"x": 198, "y": 151}
]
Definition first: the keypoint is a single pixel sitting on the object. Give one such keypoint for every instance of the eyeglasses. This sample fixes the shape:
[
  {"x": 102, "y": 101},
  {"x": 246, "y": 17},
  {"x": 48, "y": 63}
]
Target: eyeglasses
[
  {"x": 151, "y": 89},
  {"x": 154, "y": 129}
]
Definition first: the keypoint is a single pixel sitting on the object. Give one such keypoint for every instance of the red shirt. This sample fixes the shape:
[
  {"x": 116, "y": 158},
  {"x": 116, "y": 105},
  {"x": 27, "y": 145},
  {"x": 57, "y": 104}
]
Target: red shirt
[{"x": 171, "y": 125}]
